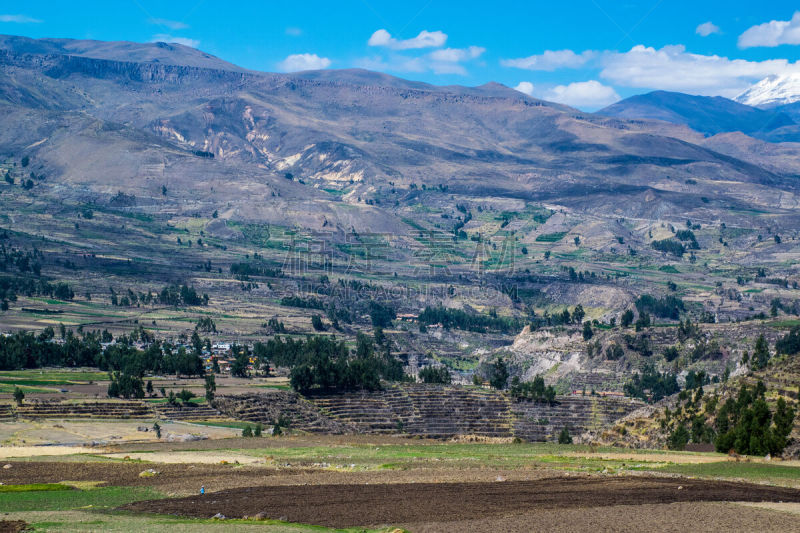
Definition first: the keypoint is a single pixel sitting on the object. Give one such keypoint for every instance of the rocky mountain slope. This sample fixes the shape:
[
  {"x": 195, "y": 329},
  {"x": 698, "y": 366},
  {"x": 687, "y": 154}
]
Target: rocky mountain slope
[
  {"x": 709, "y": 115},
  {"x": 333, "y": 149}
]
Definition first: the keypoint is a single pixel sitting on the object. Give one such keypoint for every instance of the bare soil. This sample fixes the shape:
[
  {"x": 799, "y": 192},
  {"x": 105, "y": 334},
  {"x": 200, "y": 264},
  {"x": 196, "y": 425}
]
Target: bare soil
[
  {"x": 13, "y": 526},
  {"x": 419, "y": 503},
  {"x": 171, "y": 478}
]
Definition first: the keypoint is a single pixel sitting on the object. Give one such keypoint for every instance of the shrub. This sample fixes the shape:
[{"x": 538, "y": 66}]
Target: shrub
[
  {"x": 671, "y": 353},
  {"x": 564, "y": 437},
  {"x": 678, "y": 438},
  {"x": 186, "y": 395}
]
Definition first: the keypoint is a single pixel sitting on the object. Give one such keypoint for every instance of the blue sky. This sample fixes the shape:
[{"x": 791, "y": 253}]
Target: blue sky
[{"x": 582, "y": 53}]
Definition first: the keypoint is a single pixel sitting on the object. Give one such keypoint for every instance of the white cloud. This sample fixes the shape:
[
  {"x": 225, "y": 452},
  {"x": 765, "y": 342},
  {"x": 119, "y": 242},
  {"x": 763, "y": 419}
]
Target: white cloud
[
  {"x": 525, "y": 87},
  {"x": 394, "y": 63},
  {"x": 550, "y": 60},
  {"x": 171, "y": 24},
  {"x": 448, "y": 68},
  {"x": 425, "y": 39},
  {"x": 672, "y": 68},
  {"x": 707, "y": 28},
  {"x": 772, "y": 33},
  {"x": 582, "y": 94},
  {"x": 298, "y": 62},
  {"x": 185, "y": 41},
  {"x": 19, "y": 19},
  {"x": 294, "y": 32},
  {"x": 444, "y": 61},
  {"x": 457, "y": 55}
]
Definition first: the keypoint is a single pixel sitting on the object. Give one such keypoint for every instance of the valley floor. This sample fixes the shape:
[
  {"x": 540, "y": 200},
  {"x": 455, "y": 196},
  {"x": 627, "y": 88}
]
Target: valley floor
[{"x": 315, "y": 482}]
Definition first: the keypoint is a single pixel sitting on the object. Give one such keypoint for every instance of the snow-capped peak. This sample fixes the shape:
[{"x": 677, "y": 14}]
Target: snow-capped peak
[{"x": 773, "y": 90}]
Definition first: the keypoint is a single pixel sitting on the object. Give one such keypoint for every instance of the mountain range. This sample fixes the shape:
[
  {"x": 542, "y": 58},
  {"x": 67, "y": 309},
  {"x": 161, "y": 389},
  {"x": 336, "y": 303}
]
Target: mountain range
[{"x": 351, "y": 149}]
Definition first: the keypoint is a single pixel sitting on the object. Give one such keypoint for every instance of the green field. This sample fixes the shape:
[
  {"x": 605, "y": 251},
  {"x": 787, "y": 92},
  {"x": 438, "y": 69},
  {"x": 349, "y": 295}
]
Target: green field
[
  {"x": 65, "y": 509},
  {"x": 551, "y": 237}
]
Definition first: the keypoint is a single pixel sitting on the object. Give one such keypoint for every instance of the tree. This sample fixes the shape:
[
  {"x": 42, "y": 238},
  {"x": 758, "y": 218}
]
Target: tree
[
  {"x": 760, "y": 355},
  {"x": 669, "y": 246},
  {"x": 587, "y": 331},
  {"x": 535, "y": 390},
  {"x": 126, "y": 385},
  {"x": 499, "y": 374},
  {"x": 746, "y": 425},
  {"x": 18, "y": 395},
  {"x": 431, "y": 374},
  {"x": 241, "y": 359},
  {"x": 157, "y": 429},
  {"x": 211, "y": 387},
  {"x": 247, "y": 431},
  {"x": 578, "y": 313},
  {"x": 316, "y": 323},
  {"x": 185, "y": 395},
  {"x": 564, "y": 437},
  {"x": 643, "y": 321},
  {"x": 671, "y": 353},
  {"x": 626, "y": 319},
  {"x": 258, "y": 429},
  {"x": 678, "y": 438},
  {"x": 149, "y": 388},
  {"x": 381, "y": 315}
]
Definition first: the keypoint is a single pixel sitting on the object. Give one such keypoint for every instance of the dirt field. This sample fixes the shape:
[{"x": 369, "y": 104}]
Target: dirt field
[
  {"x": 418, "y": 503},
  {"x": 15, "y": 435},
  {"x": 171, "y": 478}
]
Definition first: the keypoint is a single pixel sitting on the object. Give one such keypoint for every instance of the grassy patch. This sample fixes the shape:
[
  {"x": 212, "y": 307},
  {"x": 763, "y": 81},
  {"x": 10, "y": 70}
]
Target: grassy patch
[
  {"x": 34, "y": 487},
  {"x": 6, "y": 388},
  {"x": 90, "y": 520},
  {"x": 195, "y": 400},
  {"x": 235, "y": 424},
  {"x": 749, "y": 471},
  {"x": 53, "y": 377},
  {"x": 63, "y": 500},
  {"x": 279, "y": 386},
  {"x": 551, "y": 237}
]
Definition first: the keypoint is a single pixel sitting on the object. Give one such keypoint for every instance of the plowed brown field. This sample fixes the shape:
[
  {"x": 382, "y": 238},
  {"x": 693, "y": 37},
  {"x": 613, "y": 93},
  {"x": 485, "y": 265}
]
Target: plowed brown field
[{"x": 420, "y": 503}]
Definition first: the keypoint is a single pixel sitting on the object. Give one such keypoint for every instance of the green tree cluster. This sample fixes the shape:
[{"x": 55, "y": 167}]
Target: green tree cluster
[{"x": 747, "y": 426}]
